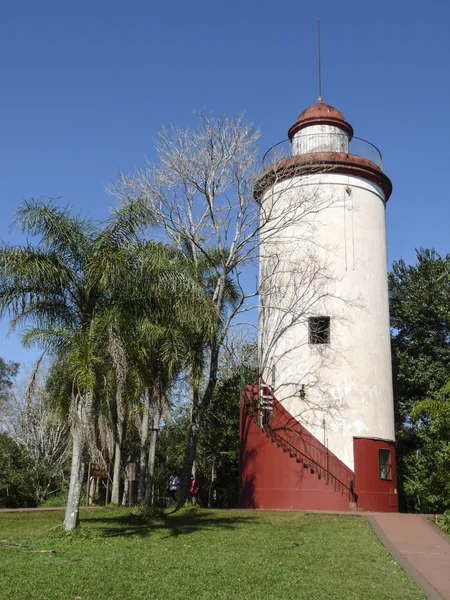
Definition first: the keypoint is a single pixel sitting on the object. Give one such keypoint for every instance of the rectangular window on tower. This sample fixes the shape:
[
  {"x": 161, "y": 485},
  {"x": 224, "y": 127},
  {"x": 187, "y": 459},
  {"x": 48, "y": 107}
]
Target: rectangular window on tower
[
  {"x": 384, "y": 457},
  {"x": 319, "y": 330}
]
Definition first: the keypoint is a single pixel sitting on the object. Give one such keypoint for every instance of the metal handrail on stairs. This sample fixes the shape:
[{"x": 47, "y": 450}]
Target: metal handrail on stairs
[{"x": 269, "y": 417}]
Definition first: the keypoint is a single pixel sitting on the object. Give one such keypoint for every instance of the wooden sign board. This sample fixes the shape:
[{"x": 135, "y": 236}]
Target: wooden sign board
[
  {"x": 97, "y": 471},
  {"x": 132, "y": 471}
]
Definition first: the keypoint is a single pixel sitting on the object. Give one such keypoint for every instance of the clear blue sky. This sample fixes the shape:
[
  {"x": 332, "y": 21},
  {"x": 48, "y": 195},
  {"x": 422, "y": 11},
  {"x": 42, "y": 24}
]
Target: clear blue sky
[{"x": 87, "y": 85}]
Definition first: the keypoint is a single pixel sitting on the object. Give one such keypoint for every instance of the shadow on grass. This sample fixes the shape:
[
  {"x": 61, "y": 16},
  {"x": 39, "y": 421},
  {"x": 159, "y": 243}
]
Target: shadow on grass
[{"x": 176, "y": 523}]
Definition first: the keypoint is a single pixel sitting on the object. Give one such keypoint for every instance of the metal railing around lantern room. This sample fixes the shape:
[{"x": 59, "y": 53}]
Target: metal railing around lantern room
[{"x": 323, "y": 143}]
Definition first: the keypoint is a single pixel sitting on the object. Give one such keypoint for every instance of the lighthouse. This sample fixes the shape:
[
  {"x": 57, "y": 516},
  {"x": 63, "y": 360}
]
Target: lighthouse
[{"x": 317, "y": 430}]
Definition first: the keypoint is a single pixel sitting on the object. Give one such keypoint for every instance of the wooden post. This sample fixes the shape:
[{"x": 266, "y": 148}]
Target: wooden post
[{"x": 88, "y": 486}]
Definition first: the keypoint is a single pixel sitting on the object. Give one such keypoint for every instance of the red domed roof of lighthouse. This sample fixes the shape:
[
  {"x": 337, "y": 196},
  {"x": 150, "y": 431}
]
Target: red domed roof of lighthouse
[{"x": 321, "y": 114}]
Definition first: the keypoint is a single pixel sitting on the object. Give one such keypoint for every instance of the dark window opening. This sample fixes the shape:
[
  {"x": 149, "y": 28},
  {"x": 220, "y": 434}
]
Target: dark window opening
[
  {"x": 319, "y": 330},
  {"x": 385, "y": 464}
]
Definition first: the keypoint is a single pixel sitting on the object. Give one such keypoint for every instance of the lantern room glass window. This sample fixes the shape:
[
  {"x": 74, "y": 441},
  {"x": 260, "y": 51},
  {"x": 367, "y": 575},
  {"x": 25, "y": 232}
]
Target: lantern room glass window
[
  {"x": 319, "y": 330},
  {"x": 385, "y": 464}
]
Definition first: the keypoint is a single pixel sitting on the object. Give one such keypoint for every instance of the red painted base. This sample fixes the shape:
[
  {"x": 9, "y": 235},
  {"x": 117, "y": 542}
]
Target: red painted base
[
  {"x": 271, "y": 478},
  {"x": 373, "y": 493}
]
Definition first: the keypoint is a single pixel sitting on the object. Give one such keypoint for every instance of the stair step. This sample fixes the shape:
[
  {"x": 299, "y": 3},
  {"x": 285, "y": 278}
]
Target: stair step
[{"x": 294, "y": 450}]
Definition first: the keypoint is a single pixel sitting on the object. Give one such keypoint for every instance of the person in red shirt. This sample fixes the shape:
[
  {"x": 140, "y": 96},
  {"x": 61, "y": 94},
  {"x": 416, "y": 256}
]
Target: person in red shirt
[{"x": 194, "y": 491}]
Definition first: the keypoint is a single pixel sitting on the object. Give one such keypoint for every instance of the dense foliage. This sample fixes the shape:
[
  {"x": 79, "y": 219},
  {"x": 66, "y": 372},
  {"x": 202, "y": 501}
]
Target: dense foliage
[
  {"x": 444, "y": 522},
  {"x": 16, "y": 480},
  {"x": 420, "y": 320}
]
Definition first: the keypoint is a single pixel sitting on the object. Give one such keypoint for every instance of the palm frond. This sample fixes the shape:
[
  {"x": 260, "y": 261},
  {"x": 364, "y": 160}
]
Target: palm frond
[
  {"x": 55, "y": 340},
  {"x": 431, "y": 407},
  {"x": 126, "y": 223},
  {"x": 57, "y": 227},
  {"x": 26, "y": 270}
]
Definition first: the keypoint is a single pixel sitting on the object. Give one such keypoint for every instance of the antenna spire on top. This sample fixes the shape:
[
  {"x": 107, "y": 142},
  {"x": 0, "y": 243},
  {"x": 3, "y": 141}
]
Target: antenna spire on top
[{"x": 320, "y": 73}]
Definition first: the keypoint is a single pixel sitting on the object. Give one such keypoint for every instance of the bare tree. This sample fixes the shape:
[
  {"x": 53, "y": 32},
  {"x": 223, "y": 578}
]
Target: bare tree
[
  {"x": 30, "y": 418},
  {"x": 240, "y": 347},
  {"x": 209, "y": 197}
]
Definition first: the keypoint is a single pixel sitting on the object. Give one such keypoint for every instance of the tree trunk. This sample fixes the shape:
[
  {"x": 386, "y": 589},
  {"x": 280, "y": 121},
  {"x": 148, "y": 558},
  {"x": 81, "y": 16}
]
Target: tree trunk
[
  {"x": 117, "y": 462},
  {"x": 198, "y": 408},
  {"x": 91, "y": 491},
  {"x": 151, "y": 455},
  {"x": 143, "y": 458},
  {"x": 126, "y": 487},
  {"x": 127, "y": 483},
  {"x": 211, "y": 485},
  {"x": 72, "y": 517},
  {"x": 120, "y": 367},
  {"x": 191, "y": 448},
  {"x": 79, "y": 429}
]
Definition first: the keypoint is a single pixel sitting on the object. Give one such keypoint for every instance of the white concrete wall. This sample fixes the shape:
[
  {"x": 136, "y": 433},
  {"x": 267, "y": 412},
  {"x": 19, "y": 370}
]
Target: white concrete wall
[{"x": 329, "y": 261}]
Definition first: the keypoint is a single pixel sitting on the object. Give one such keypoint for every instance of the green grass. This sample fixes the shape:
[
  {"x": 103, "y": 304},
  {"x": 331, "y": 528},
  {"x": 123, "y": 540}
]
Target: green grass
[{"x": 195, "y": 555}]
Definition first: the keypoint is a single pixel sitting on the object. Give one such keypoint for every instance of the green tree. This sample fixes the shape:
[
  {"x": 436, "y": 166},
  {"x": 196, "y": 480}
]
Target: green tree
[
  {"x": 170, "y": 450},
  {"x": 420, "y": 322},
  {"x": 59, "y": 290},
  {"x": 158, "y": 356},
  {"x": 217, "y": 457},
  {"x": 16, "y": 475},
  {"x": 169, "y": 310},
  {"x": 427, "y": 467},
  {"x": 428, "y": 482},
  {"x": 218, "y": 454},
  {"x": 8, "y": 371}
]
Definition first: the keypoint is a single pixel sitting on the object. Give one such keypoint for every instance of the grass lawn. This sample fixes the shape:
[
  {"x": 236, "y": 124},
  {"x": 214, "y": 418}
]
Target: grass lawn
[{"x": 194, "y": 555}]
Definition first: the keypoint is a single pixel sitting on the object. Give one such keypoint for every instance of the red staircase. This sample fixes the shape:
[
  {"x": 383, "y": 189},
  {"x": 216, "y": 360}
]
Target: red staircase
[{"x": 326, "y": 483}]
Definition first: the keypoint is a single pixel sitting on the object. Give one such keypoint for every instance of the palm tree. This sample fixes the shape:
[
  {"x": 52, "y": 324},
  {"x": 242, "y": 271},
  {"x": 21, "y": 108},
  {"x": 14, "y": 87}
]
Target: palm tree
[
  {"x": 162, "y": 338},
  {"x": 59, "y": 292},
  {"x": 119, "y": 362},
  {"x": 160, "y": 306},
  {"x": 77, "y": 290},
  {"x": 160, "y": 356}
]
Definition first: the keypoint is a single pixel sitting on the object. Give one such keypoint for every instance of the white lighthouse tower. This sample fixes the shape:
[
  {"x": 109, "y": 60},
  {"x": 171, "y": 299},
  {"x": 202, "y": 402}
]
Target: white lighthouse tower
[{"x": 324, "y": 336}]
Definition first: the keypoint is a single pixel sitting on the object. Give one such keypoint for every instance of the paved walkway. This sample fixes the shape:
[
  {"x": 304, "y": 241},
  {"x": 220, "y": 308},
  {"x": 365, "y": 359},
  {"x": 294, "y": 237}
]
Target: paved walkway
[{"x": 420, "y": 547}]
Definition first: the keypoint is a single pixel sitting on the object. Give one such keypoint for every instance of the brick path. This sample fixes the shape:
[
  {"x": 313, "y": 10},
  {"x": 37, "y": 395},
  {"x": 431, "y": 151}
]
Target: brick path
[{"x": 420, "y": 547}]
